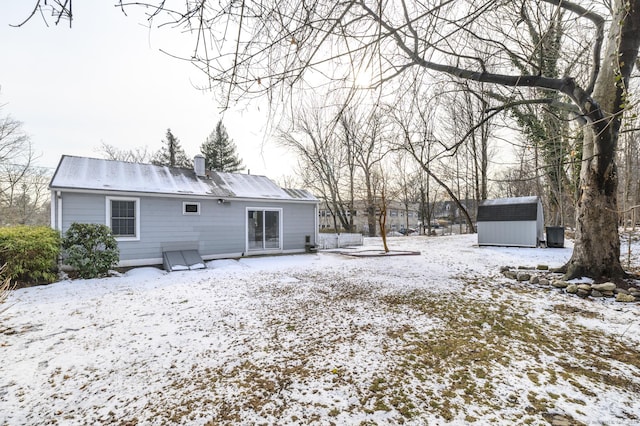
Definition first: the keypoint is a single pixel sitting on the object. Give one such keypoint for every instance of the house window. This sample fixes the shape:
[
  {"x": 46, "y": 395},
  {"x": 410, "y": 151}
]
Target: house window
[
  {"x": 190, "y": 208},
  {"x": 123, "y": 217},
  {"x": 264, "y": 229}
]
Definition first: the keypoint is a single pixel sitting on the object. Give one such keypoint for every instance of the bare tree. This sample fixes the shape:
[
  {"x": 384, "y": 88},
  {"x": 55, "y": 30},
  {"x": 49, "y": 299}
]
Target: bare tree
[
  {"x": 403, "y": 179},
  {"x": 324, "y": 157},
  {"x": 277, "y": 43},
  {"x": 365, "y": 129},
  {"x": 23, "y": 186},
  {"x": 416, "y": 135},
  {"x": 133, "y": 155}
]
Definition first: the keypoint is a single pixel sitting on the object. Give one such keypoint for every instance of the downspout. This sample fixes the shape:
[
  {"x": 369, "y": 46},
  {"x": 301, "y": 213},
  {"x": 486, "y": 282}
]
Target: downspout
[
  {"x": 317, "y": 224},
  {"x": 59, "y": 211},
  {"x": 52, "y": 212}
]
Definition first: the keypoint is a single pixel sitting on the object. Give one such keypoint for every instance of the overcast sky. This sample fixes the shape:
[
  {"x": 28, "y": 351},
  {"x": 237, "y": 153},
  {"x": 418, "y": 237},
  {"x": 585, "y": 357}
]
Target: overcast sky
[{"x": 105, "y": 80}]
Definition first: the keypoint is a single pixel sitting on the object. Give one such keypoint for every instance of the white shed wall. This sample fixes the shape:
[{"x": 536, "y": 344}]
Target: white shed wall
[{"x": 515, "y": 233}]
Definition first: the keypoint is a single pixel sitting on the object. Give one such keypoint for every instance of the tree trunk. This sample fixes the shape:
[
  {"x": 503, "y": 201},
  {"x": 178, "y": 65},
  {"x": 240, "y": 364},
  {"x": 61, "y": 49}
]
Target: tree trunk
[
  {"x": 383, "y": 222},
  {"x": 596, "y": 252}
]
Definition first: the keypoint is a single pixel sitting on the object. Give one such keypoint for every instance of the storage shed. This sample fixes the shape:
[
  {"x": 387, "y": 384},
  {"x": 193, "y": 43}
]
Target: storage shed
[{"x": 517, "y": 222}]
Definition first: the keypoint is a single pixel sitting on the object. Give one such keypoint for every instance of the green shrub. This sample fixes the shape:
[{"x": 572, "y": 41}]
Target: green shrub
[
  {"x": 90, "y": 249},
  {"x": 30, "y": 253}
]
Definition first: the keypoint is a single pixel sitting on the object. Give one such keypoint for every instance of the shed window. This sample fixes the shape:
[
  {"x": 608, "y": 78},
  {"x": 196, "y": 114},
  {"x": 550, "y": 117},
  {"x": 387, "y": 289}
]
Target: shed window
[
  {"x": 123, "y": 217},
  {"x": 190, "y": 208}
]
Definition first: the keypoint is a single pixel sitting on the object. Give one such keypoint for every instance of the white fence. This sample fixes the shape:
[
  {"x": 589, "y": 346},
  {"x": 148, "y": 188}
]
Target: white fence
[{"x": 329, "y": 241}]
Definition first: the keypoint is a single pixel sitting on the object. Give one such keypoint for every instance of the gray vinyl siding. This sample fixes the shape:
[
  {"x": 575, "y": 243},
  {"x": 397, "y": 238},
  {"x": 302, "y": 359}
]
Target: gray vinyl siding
[
  {"x": 299, "y": 221},
  {"x": 219, "y": 229},
  {"x": 82, "y": 208}
]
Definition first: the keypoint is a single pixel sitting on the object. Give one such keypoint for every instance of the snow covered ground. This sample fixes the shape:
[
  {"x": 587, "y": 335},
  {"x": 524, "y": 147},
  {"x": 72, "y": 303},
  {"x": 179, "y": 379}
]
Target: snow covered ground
[{"x": 439, "y": 338}]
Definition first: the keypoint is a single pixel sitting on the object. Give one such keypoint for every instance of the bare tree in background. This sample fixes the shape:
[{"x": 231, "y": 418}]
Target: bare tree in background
[
  {"x": 23, "y": 186},
  {"x": 133, "y": 155},
  {"x": 365, "y": 129},
  {"x": 324, "y": 161},
  {"x": 415, "y": 125},
  {"x": 260, "y": 47}
]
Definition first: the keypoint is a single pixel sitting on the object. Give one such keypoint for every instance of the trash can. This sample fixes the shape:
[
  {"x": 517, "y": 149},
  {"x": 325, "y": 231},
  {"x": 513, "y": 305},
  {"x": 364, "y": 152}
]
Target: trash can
[{"x": 555, "y": 236}]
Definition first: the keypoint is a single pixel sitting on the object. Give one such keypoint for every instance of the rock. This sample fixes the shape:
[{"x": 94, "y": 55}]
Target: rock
[
  {"x": 572, "y": 288},
  {"x": 544, "y": 281},
  {"x": 604, "y": 286},
  {"x": 542, "y": 267},
  {"x": 504, "y": 269},
  {"x": 535, "y": 279},
  {"x": 511, "y": 275},
  {"x": 559, "y": 284},
  {"x": 523, "y": 276},
  {"x": 625, "y": 298},
  {"x": 608, "y": 293},
  {"x": 621, "y": 290},
  {"x": 634, "y": 292},
  {"x": 585, "y": 287},
  {"x": 583, "y": 293},
  {"x": 596, "y": 293}
]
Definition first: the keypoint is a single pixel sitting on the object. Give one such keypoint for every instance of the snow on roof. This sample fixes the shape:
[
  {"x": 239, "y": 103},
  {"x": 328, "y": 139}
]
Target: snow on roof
[
  {"x": 108, "y": 175},
  {"x": 512, "y": 200},
  {"x": 256, "y": 186},
  {"x": 94, "y": 174}
]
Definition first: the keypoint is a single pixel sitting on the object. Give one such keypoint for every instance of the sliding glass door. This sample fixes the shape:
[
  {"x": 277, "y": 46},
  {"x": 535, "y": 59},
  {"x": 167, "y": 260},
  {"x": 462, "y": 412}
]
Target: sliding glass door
[{"x": 264, "y": 229}]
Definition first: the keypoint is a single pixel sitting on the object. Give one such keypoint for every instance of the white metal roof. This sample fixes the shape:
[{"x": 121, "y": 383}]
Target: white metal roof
[
  {"x": 513, "y": 200},
  {"x": 93, "y": 174}
]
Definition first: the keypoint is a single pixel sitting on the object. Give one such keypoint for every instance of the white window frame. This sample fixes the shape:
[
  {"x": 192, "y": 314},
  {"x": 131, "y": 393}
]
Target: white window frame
[
  {"x": 184, "y": 208},
  {"x": 136, "y": 201}
]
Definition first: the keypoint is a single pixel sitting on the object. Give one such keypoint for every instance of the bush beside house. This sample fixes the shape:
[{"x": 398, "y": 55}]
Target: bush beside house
[
  {"x": 91, "y": 249},
  {"x": 29, "y": 253}
]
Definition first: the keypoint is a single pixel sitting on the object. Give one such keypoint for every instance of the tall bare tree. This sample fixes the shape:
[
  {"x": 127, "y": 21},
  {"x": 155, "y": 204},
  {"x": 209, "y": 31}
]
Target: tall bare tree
[
  {"x": 415, "y": 123},
  {"x": 325, "y": 160},
  {"x": 23, "y": 186},
  {"x": 365, "y": 129}
]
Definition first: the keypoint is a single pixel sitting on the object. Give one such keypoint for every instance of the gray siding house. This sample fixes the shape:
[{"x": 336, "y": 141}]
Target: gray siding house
[
  {"x": 156, "y": 209},
  {"x": 517, "y": 221}
]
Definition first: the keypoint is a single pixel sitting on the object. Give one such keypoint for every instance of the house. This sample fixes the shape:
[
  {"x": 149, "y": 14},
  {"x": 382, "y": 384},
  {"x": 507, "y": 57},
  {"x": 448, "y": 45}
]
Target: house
[
  {"x": 398, "y": 216},
  {"x": 515, "y": 221},
  {"x": 154, "y": 210}
]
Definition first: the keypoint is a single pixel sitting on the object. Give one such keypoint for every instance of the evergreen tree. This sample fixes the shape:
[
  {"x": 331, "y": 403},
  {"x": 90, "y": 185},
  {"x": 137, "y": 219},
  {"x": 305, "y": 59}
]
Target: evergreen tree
[
  {"x": 171, "y": 154},
  {"x": 220, "y": 152}
]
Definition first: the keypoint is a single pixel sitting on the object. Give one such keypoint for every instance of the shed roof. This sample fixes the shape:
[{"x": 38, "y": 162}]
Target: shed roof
[
  {"x": 93, "y": 174},
  {"x": 509, "y": 209},
  {"x": 511, "y": 200}
]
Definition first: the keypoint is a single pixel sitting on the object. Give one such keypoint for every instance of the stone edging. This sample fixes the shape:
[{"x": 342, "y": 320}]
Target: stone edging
[{"x": 542, "y": 277}]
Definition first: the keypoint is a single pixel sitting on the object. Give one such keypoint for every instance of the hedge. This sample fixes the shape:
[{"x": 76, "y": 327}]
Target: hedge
[{"x": 29, "y": 253}]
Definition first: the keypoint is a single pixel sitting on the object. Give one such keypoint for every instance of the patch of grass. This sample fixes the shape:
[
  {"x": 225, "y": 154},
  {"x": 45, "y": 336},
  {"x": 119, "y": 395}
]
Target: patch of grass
[{"x": 461, "y": 368}]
